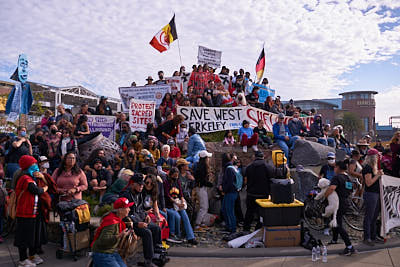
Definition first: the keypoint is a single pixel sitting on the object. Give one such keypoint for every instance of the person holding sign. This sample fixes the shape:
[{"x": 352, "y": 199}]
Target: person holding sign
[{"x": 247, "y": 137}]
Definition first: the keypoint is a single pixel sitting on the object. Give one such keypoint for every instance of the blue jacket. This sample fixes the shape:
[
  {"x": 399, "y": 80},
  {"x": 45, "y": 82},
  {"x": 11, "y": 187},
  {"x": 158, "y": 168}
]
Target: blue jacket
[
  {"x": 196, "y": 144},
  {"x": 248, "y": 131},
  {"x": 275, "y": 129},
  {"x": 295, "y": 127},
  {"x": 229, "y": 179}
]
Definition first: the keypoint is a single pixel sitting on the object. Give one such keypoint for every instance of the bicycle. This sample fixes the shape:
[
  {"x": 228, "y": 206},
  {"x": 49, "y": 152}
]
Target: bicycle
[{"x": 354, "y": 216}]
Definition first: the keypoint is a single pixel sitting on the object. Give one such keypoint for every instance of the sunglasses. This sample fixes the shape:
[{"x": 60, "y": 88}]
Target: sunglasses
[{"x": 149, "y": 183}]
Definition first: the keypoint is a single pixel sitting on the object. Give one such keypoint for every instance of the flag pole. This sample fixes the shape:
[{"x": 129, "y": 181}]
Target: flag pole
[{"x": 180, "y": 57}]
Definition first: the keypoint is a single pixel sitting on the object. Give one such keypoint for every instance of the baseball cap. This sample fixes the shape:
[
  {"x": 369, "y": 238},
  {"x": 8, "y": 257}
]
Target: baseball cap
[
  {"x": 331, "y": 155},
  {"x": 138, "y": 178},
  {"x": 170, "y": 142},
  {"x": 122, "y": 202},
  {"x": 281, "y": 116},
  {"x": 205, "y": 154},
  {"x": 103, "y": 97},
  {"x": 43, "y": 158}
]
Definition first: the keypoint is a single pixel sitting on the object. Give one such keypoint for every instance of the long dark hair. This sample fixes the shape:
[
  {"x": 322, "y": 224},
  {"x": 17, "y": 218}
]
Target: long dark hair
[
  {"x": 154, "y": 191},
  {"x": 226, "y": 157},
  {"x": 75, "y": 169},
  {"x": 93, "y": 156},
  {"x": 202, "y": 169}
]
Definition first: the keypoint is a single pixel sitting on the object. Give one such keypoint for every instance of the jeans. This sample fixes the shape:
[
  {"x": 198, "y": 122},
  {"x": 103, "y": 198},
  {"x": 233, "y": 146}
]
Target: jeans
[
  {"x": 327, "y": 142},
  {"x": 107, "y": 259},
  {"x": 339, "y": 229},
  {"x": 372, "y": 208},
  {"x": 284, "y": 145},
  {"x": 229, "y": 211},
  {"x": 151, "y": 237},
  {"x": 174, "y": 222}
]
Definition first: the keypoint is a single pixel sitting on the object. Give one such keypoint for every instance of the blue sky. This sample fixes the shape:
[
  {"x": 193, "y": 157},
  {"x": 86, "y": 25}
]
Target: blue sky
[{"x": 314, "y": 49}]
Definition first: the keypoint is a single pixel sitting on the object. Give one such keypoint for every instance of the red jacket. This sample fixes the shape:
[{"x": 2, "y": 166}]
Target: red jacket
[{"x": 27, "y": 202}]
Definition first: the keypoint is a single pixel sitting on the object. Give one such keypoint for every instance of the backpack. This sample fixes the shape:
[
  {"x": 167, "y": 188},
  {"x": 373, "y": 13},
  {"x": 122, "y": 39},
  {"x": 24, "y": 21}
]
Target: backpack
[
  {"x": 12, "y": 205},
  {"x": 238, "y": 183}
]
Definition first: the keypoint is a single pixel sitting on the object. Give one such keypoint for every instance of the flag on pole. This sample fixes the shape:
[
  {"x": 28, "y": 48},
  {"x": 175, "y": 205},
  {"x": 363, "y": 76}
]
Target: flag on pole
[
  {"x": 260, "y": 65},
  {"x": 165, "y": 36}
]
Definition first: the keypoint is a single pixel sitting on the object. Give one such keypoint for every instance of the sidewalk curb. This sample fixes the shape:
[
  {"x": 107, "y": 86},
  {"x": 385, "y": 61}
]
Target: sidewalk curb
[{"x": 267, "y": 252}]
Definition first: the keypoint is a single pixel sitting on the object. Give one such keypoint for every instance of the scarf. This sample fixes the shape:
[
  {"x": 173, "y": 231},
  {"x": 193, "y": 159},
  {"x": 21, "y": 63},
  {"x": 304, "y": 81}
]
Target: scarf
[{"x": 110, "y": 219}]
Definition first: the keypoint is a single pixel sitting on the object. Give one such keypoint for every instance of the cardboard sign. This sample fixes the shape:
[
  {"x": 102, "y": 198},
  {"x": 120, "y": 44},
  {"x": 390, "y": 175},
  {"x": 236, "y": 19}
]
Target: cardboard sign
[
  {"x": 152, "y": 92},
  {"x": 175, "y": 83},
  {"x": 141, "y": 112},
  {"x": 103, "y": 124},
  {"x": 209, "y": 56}
]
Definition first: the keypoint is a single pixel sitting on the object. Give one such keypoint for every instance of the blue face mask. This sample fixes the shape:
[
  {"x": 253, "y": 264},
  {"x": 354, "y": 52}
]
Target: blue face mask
[
  {"x": 23, "y": 133},
  {"x": 32, "y": 169}
]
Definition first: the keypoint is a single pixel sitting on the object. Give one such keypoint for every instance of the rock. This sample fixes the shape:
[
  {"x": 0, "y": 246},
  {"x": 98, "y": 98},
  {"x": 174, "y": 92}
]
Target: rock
[
  {"x": 98, "y": 141},
  {"x": 309, "y": 153},
  {"x": 305, "y": 180}
]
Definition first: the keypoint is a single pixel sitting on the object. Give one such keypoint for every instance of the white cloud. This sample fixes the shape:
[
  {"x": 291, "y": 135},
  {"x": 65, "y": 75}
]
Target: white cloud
[
  {"x": 104, "y": 46},
  {"x": 387, "y": 104}
]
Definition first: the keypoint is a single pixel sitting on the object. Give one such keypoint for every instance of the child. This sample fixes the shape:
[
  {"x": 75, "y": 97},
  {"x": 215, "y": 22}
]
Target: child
[
  {"x": 247, "y": 137},
  {"x": 229, "y": 139}
]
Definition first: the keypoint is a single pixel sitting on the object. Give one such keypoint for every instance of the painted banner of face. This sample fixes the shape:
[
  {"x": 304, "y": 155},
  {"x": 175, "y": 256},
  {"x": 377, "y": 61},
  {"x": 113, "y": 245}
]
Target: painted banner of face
[{"x": 22, "y": 68}]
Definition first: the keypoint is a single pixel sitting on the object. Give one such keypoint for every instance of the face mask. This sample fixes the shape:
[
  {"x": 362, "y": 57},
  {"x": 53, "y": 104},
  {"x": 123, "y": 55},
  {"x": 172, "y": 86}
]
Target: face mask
[
  {"x": 131, "y": 155},
  {"x": 39, "y": 138},
  {"x": 53, "y": 131},
  {"x": 32, "y": 169},
  {"x": 295, "y": 119},
  {"x": 46, "y": 165},
  {"x": 23, "y": 133},
  {"x": 331, "y": 161}
]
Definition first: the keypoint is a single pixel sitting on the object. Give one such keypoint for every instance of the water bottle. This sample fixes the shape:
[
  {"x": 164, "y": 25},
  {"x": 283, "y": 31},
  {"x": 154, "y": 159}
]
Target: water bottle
[
  {"x": 318, "y": 253},
  {"x": 314, "y": 254},
  {"x": 324, "y": 254}
]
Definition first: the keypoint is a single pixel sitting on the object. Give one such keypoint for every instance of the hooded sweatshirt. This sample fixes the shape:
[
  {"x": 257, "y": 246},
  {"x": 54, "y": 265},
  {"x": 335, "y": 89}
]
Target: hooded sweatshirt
[{"x": 258, "y": 175}]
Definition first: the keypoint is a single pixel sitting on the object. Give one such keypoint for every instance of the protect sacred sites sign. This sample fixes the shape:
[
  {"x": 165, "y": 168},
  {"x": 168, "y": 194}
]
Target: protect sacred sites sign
[{"x": 141, "y": 112}]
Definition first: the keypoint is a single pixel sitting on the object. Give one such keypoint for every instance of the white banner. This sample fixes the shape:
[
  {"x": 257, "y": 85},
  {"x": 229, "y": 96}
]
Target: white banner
[
  {"x": 103, "y": 124},
  {"x": 390, "y": 203},
  {"x": 212, "y": 119},
  {"x": 209, "y": 56},
  {"x": 141, "y": 112},
  {"x": 154, "y": 92},
  {"x": 175, "y": 83}
]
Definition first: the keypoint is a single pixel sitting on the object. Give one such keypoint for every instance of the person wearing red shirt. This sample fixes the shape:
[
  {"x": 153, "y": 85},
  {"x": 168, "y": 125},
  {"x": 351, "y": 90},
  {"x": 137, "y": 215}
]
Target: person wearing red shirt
[{"x": 175, "y": 151}]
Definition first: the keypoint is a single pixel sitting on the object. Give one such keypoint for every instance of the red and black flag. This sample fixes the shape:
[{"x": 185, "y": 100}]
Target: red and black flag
[
  {"x": 260, "y": 65},
  {"x": 165, "y": 36}
]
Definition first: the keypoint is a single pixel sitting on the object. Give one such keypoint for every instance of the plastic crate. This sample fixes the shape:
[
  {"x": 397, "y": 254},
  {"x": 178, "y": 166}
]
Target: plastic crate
[{"x": 280, "y": 214}]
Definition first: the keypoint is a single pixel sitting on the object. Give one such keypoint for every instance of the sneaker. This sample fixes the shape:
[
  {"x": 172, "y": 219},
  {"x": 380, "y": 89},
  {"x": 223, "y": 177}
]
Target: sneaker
[
  {"x": 245, "y": 149},
  {"x": 193, "y": 242},
  {"x": 349, "y": 251},
  {"x": 36, "y": 259},
  {"x": 368, "y": 242},
  {"x": 255, "y": 148},
  {"x": 26, "y": 263},
  {"x": 326, "y": 232},
  {"x": 174, "y": 239}
]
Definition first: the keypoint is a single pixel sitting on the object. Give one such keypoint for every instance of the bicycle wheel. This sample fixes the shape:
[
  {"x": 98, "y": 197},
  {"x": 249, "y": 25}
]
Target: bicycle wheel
[
  {"x": 354, "y": 216},
  {"x": 312, "y": 215}
]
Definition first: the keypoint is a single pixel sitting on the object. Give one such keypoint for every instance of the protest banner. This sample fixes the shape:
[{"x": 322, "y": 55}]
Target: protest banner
[
  {"x": 103, "y": 124},
  {"x": 209, "y": 56},
  {"x": 154, "y": 92},
  {"x": 390, "y": 203},
  {"x": 141, "y": 112},
  {"x": 175, "y": 83},
  {"x": 212, "y": 119}
]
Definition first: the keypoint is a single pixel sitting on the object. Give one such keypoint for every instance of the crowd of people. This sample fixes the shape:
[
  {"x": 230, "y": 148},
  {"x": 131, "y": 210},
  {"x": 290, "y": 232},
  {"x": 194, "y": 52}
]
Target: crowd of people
[{"x": 156, "y": 173}]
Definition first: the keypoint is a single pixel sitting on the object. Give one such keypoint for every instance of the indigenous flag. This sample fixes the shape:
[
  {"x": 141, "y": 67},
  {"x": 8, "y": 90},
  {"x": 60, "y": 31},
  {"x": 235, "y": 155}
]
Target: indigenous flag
[
  {"x": 260, "y": 65},
  {"x": 165, "y": 37}
]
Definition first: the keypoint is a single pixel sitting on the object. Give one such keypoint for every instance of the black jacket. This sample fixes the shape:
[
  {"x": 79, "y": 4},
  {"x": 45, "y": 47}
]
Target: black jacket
[
  {"x": 258, "y": 175},
  {"x": 137, "y": 212},
  {"x": 229, "y": 179}
]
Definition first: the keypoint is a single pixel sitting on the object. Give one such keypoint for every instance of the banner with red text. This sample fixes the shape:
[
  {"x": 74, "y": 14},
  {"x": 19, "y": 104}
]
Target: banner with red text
[
  {"x": 175, "y": 83},
  {"x": 213, "y": 119},
  {"x": 141, "y": 112}
]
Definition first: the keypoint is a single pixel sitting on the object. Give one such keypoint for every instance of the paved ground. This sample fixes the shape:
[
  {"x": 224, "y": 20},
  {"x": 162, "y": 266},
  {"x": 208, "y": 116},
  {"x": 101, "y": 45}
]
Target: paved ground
[{"x": 383, "y": 257}]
